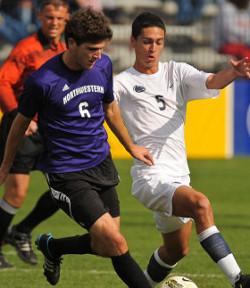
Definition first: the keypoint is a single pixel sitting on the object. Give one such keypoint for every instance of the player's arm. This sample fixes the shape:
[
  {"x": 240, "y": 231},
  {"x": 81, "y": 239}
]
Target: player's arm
[
  {"x": 11, "y": 73},
  {"x": 238, "y": 68},
  {"x": 116, "y": 124},
  {"x": 15, "y": 137}
]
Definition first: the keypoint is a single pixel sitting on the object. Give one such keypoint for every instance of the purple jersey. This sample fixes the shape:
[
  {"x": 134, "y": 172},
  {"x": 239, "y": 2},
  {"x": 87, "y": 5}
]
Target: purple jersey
[{"x": 70, "y": 112}]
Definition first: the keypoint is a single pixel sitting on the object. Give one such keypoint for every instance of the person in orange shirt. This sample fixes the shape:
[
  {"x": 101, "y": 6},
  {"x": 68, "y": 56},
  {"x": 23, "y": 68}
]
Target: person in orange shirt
[{"x": 27, "y": 56}]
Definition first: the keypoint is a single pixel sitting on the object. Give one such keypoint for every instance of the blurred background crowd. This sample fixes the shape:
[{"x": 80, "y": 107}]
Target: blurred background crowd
[{"x": 201, "y": 32}]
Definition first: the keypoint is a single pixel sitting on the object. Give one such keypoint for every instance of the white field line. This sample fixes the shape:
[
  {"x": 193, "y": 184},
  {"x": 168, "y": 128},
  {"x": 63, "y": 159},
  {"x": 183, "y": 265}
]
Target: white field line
[
  {"x": 93, "y": 271},
  {"x": 100, "y": 272}
]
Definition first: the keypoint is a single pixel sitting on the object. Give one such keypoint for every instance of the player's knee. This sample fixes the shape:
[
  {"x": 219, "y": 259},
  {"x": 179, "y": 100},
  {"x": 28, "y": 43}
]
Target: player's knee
[
  {"x": 110, "y": 245},
  {"x": 15, "y": 197},
  {"x": 118, "y": 244},
  {"x": 202, "y": 206}
]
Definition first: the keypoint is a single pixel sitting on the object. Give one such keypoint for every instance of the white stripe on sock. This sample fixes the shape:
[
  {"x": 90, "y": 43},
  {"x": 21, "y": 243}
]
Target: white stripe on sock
[
  {"x": 208, "y": 232},
  {"x": 161, "y": 262},
  {"x": 7, "y": 207}
]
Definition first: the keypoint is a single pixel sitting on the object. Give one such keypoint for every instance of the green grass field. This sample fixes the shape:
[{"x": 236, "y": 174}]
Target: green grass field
[{"x": 225, "y": 182}]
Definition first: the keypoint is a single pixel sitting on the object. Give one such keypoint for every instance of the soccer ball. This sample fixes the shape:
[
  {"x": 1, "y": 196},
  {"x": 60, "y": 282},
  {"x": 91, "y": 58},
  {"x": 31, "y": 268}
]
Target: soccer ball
[{"x": 178, "y": 282}]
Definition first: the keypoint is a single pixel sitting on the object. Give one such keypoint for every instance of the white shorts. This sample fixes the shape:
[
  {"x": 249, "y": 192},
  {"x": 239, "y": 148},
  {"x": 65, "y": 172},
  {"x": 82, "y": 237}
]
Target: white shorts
[{"x": 155, "y": 190}]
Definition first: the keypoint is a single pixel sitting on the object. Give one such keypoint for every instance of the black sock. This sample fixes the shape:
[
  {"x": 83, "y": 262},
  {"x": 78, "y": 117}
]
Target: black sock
[
  {"x": 45, "y": 207},
  {"x": 129, "y": 271},
  {"x": 157, "y": 270},
  {"x": 71, "y": 245},
  {"x": 7, "y": 213}
]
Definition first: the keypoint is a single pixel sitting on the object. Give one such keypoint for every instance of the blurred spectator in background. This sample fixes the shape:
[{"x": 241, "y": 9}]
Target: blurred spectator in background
[
  {"x": 115, "y": 12},
  {"x": 189, "y": 11},
  {"x": 94, "y": 4},
  {"x": 17, "y": 19},
  {"x": 26, "y": 13},
  {"x": 232, "y": 34},
  {"x": 109, "y": 7}
]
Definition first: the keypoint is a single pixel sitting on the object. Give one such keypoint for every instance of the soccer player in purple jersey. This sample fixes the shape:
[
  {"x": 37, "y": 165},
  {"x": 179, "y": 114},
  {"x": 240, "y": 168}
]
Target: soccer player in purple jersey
[{"x": 73, "y": 94}]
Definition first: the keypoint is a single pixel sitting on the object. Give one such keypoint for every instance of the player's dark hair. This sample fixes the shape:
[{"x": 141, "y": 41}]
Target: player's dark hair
[
  {"x": 87, "y": 25},
  {"x": 56, "y": 3},
  {"x": 145, "y": 20}
]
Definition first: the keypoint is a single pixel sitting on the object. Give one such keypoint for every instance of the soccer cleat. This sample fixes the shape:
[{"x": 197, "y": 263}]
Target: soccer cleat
[
  {"x": 22, "y": 242},
  {"x": 51, "y": 264},
  {"x": 4, "y": 264},
  {"x": 243, "y": 282}
]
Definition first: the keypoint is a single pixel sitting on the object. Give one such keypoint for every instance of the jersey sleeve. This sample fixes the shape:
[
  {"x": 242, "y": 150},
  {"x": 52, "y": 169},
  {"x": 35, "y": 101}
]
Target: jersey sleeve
[
  {"x": 11, "y": 73},
  {"x": 194, "y": 83},
  {"x": 31, "y": 101}
]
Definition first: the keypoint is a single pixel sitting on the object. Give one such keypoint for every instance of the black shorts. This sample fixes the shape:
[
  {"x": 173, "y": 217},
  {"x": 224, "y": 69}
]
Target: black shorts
[
  {"x": 86, "y": 195},
  {"x": 29, "y": 151}
]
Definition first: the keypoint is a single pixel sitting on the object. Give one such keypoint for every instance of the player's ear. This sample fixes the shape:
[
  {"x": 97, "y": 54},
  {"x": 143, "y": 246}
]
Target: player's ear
[{"x": 132, "y": 42}]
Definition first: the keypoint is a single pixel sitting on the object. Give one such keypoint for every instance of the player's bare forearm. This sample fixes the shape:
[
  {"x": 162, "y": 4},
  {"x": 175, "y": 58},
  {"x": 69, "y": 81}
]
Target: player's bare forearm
[
  {"x": 238, "y": 68},
  {"x": 15, "y": 136},
  {"x": 116, "y": 124}
]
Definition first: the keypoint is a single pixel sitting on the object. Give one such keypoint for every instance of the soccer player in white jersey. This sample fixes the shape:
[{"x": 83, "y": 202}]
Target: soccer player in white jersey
[{"x": 153, "y": 98}]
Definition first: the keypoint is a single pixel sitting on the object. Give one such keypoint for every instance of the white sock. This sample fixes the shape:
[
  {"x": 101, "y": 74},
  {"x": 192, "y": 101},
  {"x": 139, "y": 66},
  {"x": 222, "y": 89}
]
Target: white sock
[{"x": 230, "y": 267}]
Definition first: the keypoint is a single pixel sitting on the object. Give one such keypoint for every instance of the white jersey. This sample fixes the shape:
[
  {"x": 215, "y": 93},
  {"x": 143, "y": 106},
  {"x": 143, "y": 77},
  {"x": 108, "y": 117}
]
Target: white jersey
[{"x": 153, "y": 107}]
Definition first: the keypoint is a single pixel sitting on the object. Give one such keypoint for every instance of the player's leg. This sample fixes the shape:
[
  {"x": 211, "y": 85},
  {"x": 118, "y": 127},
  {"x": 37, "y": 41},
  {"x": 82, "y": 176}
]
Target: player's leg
[
  {"x": 88, "y": 205},
  {"x": 17, "y": 181},
  {"x": 191, "y": 203},
  {"x": 7, "y": 211},
  {"x": 16, "y": 188},
  {"x": 31, "y": 153},
  {"x": 19, "y": 235},
  {"x": 107, "y": 241},
  {"x": 37, "y": 215},
  {"x": 9, "y": 205},
  {"x": 176, "y": 233}
]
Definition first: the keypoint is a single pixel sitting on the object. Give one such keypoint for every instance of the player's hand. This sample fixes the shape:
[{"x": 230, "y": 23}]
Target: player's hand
[
  {"x": 32, "y": 129},
  {"x": 241, "y": 67},
  {"x": 141, "y": 153}
]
